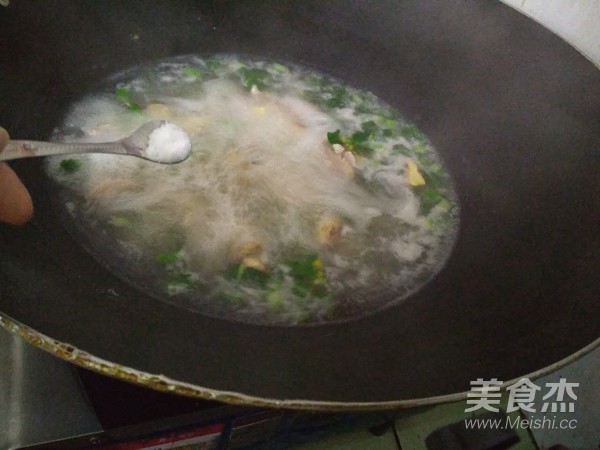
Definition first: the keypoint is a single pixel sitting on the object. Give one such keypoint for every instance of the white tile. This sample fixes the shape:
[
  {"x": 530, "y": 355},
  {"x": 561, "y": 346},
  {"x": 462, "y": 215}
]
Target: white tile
[{"x": 576, "y": 21}]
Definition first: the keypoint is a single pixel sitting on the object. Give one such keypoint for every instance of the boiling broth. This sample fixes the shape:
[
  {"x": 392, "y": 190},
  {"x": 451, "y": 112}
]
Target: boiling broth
[{"x": 304, "y": 201}]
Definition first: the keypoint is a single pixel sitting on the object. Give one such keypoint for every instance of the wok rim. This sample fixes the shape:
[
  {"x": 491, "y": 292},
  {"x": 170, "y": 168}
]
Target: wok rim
[
  {"x": 161, "y": 383},
  {"x": 483, "y": 348}
]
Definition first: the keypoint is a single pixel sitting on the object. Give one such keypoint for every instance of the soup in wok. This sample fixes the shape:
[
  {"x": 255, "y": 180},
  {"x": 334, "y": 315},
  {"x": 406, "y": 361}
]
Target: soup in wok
[{"x": 304, "y": 200}]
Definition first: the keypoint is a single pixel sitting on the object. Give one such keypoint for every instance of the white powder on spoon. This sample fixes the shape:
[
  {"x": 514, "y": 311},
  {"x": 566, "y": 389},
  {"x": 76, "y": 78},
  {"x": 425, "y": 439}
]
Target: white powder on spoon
[{"x": 168, "y": 144}]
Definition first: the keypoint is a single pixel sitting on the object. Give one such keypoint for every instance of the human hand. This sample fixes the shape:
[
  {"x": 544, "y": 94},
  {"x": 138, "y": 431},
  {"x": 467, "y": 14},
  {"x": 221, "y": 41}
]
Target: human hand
[{"x": 16, "y": 207}]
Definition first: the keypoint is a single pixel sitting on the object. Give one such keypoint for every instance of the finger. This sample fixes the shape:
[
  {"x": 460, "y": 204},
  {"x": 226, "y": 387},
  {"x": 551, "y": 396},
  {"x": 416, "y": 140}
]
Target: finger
[
  {"x": 16, "y": 206},
  {"x": 3, "y": 138}
]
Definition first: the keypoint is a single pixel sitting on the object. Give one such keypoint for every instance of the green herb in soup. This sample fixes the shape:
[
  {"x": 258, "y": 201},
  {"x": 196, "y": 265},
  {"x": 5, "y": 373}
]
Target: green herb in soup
[
  {"x": 70, "y": 165},
  {"x": 304, "y": 200}
]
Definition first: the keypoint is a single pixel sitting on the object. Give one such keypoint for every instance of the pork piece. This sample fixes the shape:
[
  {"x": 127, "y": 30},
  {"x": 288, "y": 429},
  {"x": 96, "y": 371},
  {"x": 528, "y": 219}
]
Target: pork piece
[
  {"x": 303, "y": 113},
  {"x": 111, "y": 188},
  {"x": 340, "y": 161}
]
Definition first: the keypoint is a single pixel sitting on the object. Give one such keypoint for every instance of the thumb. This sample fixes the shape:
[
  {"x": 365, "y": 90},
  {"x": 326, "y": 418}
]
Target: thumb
[{"x": 16, "y": 206}]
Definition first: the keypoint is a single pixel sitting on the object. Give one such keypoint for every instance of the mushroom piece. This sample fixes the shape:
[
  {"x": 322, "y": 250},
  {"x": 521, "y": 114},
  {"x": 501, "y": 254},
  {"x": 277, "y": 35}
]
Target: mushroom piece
[
  {"x": 248, "y": 253},
  {"x": 329, "y": 231},
  {"x": 159, "y": 111},
  {"x": 338, "y": 149},
  {"x": 249, "y": 248},
  {"x": 191, "y": 122},
  {"x": 254, "y": 263}
]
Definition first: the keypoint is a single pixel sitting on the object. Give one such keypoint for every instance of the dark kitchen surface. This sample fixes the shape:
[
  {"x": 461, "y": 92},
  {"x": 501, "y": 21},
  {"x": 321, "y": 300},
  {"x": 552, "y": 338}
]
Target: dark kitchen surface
[{"x": 130, "y": 404}]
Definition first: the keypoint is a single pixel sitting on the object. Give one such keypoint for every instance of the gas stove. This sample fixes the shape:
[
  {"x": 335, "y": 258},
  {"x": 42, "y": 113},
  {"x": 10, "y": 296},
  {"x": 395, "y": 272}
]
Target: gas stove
[{"x": 47, "y": 403}]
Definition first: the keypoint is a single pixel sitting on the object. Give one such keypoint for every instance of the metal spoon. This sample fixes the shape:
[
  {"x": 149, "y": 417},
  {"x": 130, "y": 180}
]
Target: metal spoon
[{"x": 135, "y": 145}]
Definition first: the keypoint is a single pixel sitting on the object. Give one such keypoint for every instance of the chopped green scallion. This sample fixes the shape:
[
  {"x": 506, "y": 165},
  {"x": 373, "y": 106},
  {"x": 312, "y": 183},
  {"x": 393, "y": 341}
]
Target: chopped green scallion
[{"x": 70, "y": 165}]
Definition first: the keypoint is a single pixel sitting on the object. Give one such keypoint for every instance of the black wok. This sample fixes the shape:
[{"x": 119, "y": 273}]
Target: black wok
[{"x": 514, "y": 111}]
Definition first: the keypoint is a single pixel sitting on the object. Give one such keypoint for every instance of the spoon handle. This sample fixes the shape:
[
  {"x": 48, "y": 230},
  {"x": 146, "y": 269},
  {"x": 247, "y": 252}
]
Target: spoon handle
[{"x": 16, "y": 149}]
